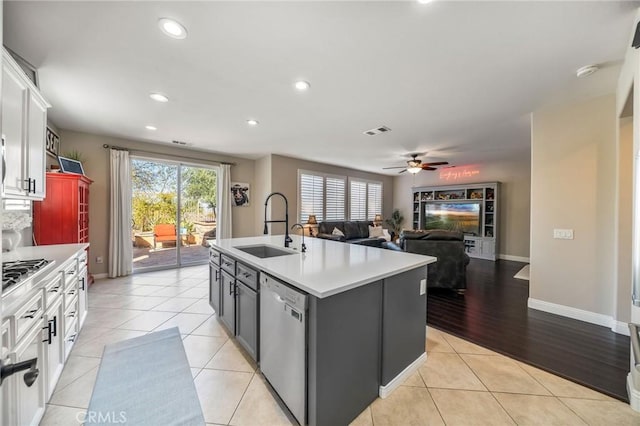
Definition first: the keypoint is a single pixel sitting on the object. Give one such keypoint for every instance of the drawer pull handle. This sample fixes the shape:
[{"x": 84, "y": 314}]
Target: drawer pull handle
[
  {"x": 72, "y": 338},
  {"x": 246, "y": 274},
  {"x": 30, "y": 314},
  {"x": 71, "y": 292},
  {"x": 72, "y": 314}
]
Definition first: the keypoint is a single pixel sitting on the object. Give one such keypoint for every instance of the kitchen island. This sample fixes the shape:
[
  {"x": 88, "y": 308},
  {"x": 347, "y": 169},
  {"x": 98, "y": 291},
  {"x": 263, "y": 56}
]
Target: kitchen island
[{"x": 333, "y": 328}]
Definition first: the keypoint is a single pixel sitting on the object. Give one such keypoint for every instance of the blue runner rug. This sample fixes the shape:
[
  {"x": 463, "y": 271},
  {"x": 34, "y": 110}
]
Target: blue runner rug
[{"x": 145, "y": 381}]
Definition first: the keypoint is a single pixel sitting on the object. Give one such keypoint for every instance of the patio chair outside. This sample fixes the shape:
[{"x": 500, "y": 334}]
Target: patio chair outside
[{"x": 164, "y": 233}]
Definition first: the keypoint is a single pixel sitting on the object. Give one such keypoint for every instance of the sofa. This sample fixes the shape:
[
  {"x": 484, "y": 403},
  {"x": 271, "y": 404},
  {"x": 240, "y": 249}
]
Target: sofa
[
  {"x": 450, "y": 271},
  {"x": 355, "y": 232}
]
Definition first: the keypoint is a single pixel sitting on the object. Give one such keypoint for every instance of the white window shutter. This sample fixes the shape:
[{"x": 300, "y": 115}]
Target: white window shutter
[{"x": 358, "y": 200}]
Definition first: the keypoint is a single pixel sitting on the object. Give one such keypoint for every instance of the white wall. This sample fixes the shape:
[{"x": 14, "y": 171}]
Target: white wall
[
  {"x": 515, "y": 178},
  {"x": 573, "y": 181}
]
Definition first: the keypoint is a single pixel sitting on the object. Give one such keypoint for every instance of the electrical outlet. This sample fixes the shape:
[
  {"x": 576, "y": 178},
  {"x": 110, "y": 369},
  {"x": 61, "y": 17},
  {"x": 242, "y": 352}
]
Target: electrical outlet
[
  {"x": 563, "y": 234},
  {"x": 99, "y": 259},
  {"x": 423, "y": 286}
]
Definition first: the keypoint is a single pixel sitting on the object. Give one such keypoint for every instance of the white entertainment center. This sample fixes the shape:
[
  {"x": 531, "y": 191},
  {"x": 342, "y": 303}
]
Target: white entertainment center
[{"x": 443, "y": 206}]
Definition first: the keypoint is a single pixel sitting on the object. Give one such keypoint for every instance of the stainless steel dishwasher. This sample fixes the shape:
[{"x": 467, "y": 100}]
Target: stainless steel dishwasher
[{"x": 283, "y": 339}]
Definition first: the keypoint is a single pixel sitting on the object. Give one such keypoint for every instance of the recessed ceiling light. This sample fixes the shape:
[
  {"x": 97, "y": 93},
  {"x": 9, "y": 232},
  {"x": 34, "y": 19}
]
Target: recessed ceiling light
[
  {"x": 587, "y": 71},
  {"x": 252, "y": 122},
  {"x": 172, "y": 28},
  {"x": 425, "y": 1},
  {"x": 159, "y": 97},
  {"x": 302, "y": 85},
  {"x": 151, "y": 127}
]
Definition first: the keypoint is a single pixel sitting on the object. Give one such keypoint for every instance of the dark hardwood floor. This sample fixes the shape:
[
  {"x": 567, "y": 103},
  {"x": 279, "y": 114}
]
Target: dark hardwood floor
[{"x": 493, "y": 313}]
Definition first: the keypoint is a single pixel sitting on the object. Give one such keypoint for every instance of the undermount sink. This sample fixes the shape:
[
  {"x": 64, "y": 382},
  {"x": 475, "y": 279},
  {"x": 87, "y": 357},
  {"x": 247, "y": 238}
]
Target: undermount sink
[{"x": 264, "y": 251}]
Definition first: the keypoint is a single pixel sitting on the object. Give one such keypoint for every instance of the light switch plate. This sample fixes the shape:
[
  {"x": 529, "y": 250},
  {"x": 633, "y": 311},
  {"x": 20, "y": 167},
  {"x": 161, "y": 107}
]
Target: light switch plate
[
  {"x": 423, "y": 286},
  {"x": 563, "y": 234}
]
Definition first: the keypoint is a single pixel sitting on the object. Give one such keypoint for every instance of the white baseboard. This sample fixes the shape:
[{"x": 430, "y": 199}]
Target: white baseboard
[
  {"x": 579, "y": 314},
  {"x": 514, "y": 258},
  {"x": 385, "y": 391},
  {"x": 620, "y": 327},
  {"x": 100, "y": 276},
  {"x": 634, "y": 394}
]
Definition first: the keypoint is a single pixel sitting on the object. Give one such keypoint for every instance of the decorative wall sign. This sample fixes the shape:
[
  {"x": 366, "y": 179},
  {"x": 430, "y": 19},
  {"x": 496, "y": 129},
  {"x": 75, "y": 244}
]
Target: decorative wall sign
[
  {"x": 458, "y": 173},
  {"x": 240, "y": 194},
  {"x": 52, "y": 143}
]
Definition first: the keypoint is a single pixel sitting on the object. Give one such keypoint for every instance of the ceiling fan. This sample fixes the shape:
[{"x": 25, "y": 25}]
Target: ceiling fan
[{"x": 414, "y": 165}]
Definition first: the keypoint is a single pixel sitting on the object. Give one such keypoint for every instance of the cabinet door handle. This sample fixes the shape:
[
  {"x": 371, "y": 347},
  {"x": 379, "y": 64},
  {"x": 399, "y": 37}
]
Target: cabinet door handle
[
  {"x": 82, "y": 286},
  {"x": 49, "y": 334},
  {"x": 28, "y": 182},
  {"x": 34, "y": 186},
  {"x": 54, "y": 323},
  {"x": 231, "y": 292},
  {"x": 217, "y": 275}
]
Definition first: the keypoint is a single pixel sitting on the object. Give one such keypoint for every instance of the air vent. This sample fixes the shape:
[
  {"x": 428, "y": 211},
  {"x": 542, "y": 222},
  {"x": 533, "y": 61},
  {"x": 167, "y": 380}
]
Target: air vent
[
  {"x": 377, "y": 131},
  {"x": 179, "y": 142}
]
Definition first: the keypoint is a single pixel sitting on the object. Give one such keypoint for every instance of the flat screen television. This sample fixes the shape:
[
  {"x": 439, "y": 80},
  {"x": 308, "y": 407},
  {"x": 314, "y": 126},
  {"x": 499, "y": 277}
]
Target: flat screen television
[{"x": 460, "y": 216}]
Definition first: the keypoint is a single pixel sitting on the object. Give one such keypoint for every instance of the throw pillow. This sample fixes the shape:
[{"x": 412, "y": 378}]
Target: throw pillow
[
  {"x": 338, "y": 232},
  {"x": 375, "y": 232},
  {"x": 386, "y": 234}
]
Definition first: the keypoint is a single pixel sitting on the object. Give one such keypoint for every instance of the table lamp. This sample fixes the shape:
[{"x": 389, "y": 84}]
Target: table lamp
[
  {"x": 311, "y": 221},
  {"x": 377, "y": 221}
]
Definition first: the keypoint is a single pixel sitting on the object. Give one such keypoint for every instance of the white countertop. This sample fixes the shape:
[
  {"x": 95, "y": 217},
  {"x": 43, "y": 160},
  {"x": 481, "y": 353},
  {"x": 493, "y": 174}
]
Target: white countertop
[
  {"x": 57, "y": 254},
  {"x": 328, "y": 267}
]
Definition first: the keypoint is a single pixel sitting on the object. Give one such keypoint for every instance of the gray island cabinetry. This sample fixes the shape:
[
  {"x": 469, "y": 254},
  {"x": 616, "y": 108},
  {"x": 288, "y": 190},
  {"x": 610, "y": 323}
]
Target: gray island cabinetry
[
  {"x": 343, "y": 323},
  {"x": 233, "y": 295}
]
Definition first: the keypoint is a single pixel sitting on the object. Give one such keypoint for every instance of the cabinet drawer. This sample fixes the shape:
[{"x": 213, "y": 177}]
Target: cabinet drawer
[
  {"x": 82, "y": 258},
  {"x": 69, "y": 273},
  {"x": 228, "y": 264},
  {"x": 247, "y": 275},
  {"x": 214, "y": 257},
  {"x": 70, "y": 317},
  {"x": 29, "y": 315},
  {"x": 53, "y": 290},
  {"x": 70, "y": 294}
]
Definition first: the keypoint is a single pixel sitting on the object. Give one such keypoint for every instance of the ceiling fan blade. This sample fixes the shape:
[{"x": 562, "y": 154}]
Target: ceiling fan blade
[
  {"x": 439, "y": 163},
  {"x": 428, "y": 168},
  {"x": 396, "y": 167},
  {"x": 402, "y": 171}
]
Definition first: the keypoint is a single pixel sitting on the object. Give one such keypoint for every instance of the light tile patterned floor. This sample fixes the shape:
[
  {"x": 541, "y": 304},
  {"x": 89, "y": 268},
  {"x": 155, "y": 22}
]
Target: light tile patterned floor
[{"x": 459, "y": 384}]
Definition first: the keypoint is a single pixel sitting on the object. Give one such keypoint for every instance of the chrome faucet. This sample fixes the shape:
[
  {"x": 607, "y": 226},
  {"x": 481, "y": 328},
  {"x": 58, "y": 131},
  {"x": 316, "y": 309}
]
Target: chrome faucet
[
  {"x": 303, "y": 248},
  {"x": 287, "y": 238}
]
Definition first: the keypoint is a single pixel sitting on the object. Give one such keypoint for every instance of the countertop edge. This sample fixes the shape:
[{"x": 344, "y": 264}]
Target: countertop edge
[{"x": 244, "y": 258}]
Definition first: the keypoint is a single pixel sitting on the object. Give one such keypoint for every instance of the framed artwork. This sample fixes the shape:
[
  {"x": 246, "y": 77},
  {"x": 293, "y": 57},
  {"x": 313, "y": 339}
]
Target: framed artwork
[
  {"x": 240, "y": 193},
  {"x": 52, "y": 143}
]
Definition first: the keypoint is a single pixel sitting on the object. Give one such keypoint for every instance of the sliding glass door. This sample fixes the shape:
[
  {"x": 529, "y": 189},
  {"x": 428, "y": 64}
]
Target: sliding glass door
[{"x": 173, "y": 213}]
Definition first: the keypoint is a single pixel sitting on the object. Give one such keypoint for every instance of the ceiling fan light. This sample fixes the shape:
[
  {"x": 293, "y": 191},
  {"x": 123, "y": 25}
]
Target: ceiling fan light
[{"x": 414, "y": 170}]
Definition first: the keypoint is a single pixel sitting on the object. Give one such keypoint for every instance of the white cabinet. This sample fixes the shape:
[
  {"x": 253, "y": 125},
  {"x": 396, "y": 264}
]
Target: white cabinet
[
  {"x": 24, "y": 121},
  {"x": 54, "y": 346},
  {"x": 14, "y": 106},
  {"x": 30, "y": 399}
]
